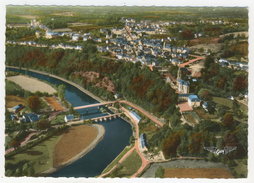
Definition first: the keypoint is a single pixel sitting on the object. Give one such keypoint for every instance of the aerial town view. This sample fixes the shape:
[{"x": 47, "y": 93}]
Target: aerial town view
[{"x": 126, "y": 92}]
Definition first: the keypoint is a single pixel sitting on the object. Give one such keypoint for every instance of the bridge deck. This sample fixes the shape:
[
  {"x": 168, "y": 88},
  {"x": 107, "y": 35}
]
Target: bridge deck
[
  {"x": 112, "y": 115},
  {"x": 93, "y": 105}
]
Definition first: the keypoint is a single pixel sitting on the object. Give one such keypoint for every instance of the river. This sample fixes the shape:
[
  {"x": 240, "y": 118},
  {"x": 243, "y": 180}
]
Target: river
[{"x": 116, "y": 138}]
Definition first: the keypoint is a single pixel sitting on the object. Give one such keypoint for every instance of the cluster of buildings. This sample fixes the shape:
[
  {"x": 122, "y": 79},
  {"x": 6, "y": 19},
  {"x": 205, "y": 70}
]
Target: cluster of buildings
[{"x": 235, "y": 65}]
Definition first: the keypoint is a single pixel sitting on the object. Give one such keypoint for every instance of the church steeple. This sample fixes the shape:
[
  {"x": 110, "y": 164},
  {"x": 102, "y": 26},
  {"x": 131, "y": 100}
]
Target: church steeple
[{"x": 179, "y": 72}]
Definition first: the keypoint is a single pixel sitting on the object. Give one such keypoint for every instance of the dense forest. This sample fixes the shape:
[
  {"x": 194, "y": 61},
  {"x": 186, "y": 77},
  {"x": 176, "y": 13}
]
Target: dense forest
[{"x": 141, "y": 86}]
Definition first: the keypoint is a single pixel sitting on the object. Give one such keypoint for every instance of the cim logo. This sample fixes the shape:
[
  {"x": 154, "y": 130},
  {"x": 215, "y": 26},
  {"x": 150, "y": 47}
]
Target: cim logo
[{"x": 226, "y": 150}]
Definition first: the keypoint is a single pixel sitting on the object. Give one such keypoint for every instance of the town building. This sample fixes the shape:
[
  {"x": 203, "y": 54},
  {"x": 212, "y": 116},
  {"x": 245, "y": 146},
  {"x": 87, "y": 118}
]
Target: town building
[
  {"x": 68, "y": 118},
  {"x": 193, "y": 101},
  {"x": 143, "y": 143},
  {"x": 31, "y": 117},
  {"x": 135, "y": 116}
]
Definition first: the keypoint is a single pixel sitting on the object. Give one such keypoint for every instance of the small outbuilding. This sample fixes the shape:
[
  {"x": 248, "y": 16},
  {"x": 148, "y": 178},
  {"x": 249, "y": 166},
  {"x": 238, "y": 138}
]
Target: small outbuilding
[{"x": 68, "y": 118}]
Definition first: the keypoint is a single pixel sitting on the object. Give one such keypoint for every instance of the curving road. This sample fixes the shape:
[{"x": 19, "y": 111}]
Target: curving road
[{"x": 143, "y": 111}]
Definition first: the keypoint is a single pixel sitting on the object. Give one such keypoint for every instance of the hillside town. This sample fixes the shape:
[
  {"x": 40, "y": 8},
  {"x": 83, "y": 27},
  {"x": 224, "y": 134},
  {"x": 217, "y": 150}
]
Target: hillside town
[{"x": 169, "y": 90}]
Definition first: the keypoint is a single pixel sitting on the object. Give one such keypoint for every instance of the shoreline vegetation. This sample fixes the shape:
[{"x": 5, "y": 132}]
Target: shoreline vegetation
[
  {"x": 101, "y": 130},
  {"x": 62, "y": 79},
  {"x": 99, "y": 137}
]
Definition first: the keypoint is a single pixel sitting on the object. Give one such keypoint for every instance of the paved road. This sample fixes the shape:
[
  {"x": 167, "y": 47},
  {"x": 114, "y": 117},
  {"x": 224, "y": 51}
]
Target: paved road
[
  {"x": 193, "y": 60},
  {"x": 143, "y": 111},
  {"x": 137, "y": 145},
  {"x": 144, "y": 161}
]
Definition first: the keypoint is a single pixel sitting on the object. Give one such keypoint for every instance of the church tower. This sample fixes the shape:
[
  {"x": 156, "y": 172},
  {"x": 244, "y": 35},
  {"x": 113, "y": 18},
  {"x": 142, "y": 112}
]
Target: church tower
[{"x": 179, "y": 72}]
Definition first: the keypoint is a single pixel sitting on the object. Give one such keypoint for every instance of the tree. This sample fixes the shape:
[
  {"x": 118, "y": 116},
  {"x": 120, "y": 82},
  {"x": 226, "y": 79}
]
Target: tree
[
  {"x": 201, "y": 50},
  {"x": 170, "y": 145},
  {"x": 131, "y": 139},
  {"x": 15, "y": 144},
  {"x": 240, "y": 83},
  {"x": 236, "y": 106},
  {"x": 205, "y": 94},
  {"x": 42, "y": 124},
  {"x": 33, "y": 102},
  {"x": 160, "y": 172},
  {"x": 61, "y": 90},
  {"x": 228, "y": 120},
  {"x": 117, "y": 105},
  {"x": 186, "y": 34},
  {"x": 196, "y": 143}
]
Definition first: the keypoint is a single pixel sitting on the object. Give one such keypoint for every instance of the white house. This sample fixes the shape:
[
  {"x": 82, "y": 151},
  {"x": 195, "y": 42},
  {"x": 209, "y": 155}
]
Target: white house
[
  {"x": 68, "y": 118},
  {"x": 75, "y": 37}
]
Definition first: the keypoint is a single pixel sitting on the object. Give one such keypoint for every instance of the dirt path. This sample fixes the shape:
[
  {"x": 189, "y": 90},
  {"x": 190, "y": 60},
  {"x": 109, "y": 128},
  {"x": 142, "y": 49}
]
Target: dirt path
[{"x": 22, "y": 143}]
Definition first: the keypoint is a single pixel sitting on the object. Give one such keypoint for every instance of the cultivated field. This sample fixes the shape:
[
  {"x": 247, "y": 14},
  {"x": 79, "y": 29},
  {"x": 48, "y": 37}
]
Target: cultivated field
[
  {"x": 75, "y": 140},
  {"x": 12, "y": 101},
  {"x": 183, "y": 164},
  {"x": 210, "y": 173},
  {"x": 236, "y": 33},
  {"x": 31, "y": 85},
  {"x": 28, "y": 16},
  {"x": 62, "y": 30},
  {"x": 51, "y": 101}
]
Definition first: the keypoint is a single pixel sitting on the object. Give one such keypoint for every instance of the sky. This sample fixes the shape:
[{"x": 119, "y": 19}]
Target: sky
[{"x": 242, "y": 3}]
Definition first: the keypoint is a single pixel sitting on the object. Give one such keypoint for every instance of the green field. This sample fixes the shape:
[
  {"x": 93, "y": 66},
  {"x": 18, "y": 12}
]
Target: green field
[
  {"x": 114, "y": 162},
  {"x": 128, "y": 167},
  {"x": 228, "y": 104},
  {"x": 40, "y": 155},
  {"x": 241, "y": 168}
]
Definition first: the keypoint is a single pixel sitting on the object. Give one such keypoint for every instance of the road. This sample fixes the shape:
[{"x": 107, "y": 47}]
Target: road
[
  {"x": 193, "y": 60},
  {"x": 143, "y": 111},
  {"x": 136, "y": 147}
]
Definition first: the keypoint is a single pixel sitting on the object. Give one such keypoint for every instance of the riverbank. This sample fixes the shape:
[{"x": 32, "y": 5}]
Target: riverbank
[
  {"x": 99, "y": 137},
  {"x": 65, "y": 80}
]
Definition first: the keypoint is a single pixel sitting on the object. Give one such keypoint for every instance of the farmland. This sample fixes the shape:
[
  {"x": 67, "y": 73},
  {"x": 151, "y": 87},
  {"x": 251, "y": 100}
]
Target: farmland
[
  {"x": 65, "y": 149},
  {"x": 185, "y": 165},
  {"x": 12, "y": 100},
  {"x": 51, "y": 101},
  {"x": 210, "y": 173}
]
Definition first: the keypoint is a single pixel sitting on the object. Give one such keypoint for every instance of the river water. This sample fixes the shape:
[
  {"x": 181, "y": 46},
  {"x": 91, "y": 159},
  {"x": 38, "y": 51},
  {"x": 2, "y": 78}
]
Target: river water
[{"x": 116, "y": 138}]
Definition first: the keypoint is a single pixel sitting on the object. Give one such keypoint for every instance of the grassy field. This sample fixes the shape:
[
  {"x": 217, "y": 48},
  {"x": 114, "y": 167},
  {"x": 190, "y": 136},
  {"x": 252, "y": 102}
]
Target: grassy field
[
  {"x": 84, "y": 28},
  {"x": 12, "y": 101},
  {"x": 197, "y": 173},
  {"x": 128, "y": 167},
  {"x": 41, "y": 155},
  {"x": 229, "y": 103},
  {"x": 74, "y": 141},
  {"x": 58, "y": 119},
  {"x": 189, "y": 118},
  {"x": 113, "y": 163},
  {"x": 241, "y": 168},
  {"x": 201, "y": 114}
]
